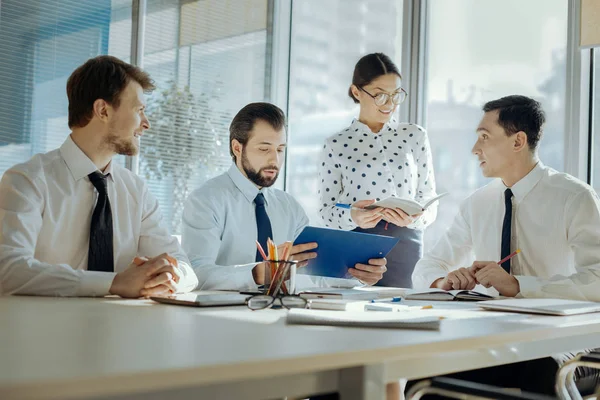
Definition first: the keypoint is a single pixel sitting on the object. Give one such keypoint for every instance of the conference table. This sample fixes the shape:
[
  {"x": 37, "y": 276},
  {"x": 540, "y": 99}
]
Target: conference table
[{"x": 111, "y": 348}]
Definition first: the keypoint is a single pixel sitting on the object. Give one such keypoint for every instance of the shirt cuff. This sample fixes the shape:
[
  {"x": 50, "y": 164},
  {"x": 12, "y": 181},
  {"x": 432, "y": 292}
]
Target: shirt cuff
[
  {"x": 244, "y": 278},
  {"x": 95, "y": 283},
  {"x": 529, "y": 286}
]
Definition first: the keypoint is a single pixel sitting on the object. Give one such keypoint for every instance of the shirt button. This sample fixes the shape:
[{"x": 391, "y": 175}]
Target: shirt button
[{"x": 514, "y": 238}]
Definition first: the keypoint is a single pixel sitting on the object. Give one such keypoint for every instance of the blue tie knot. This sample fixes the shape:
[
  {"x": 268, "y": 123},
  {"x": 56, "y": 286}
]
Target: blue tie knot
[{"x": 259, "y": 200}]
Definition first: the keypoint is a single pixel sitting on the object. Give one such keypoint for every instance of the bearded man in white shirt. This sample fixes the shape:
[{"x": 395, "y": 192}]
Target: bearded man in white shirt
[
  {"x": 551, "y": 217},
  {"x": 74, "y": 223}
]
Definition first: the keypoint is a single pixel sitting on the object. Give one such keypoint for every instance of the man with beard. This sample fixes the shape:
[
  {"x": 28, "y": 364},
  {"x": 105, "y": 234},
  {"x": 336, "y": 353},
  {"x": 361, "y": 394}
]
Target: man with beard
[
  {"x": 224, "y": 218},
  {"x": 74, "y": 223}
]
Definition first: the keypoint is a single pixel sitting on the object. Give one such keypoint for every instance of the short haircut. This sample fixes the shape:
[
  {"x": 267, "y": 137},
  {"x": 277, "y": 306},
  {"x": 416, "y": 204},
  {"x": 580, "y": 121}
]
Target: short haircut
[
  {"x": 102, "y": 77},
  {"x": 519, "y": 113},
  {"x": 244, "y": 121}
]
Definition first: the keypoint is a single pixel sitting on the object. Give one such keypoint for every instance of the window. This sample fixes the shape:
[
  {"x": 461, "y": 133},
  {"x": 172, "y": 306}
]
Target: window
[
  {"x": 479, "y": 51},
  {"x": 595, "y": 159},
  {"x": 209, "y": 59},
  {"x": 41, "y": 43},
  {"x": 328, "y": 38}
]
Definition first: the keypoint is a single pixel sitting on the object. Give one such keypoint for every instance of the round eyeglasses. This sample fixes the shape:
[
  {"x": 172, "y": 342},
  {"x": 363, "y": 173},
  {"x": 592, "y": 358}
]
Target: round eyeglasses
[
  {"x": 263, "y": 301},
  {"x": 383, "y": 97}
]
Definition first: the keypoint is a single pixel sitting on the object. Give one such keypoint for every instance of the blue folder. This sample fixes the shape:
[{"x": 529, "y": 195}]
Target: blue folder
[{"x": 339, "y": 250}]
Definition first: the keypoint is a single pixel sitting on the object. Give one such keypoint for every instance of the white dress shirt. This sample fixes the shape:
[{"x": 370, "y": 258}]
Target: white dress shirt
[
  {"x": 555, "y": 224},
  {"x": 219, "y": 232},
  {"x": 46, "y": 207},
  {"x": 357, "y": 164}
]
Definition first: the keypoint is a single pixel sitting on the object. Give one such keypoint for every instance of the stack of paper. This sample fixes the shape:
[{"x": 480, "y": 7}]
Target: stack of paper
[
  {"x": 362, "y": 319},
  {"x": 542, "y": 306}
]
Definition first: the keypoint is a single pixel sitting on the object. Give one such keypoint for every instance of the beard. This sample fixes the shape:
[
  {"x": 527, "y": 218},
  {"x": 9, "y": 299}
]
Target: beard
[
  {"x": 123, "y": 146},
  {"x": 256, "y": 176}
]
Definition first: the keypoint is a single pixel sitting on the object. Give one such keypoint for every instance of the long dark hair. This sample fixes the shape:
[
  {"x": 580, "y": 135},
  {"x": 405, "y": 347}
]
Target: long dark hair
[{"x": 371, "y": 67}]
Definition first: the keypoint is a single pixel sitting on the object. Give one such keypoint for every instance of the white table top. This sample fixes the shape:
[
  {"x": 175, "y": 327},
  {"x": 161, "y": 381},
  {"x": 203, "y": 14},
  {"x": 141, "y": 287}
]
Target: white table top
[{"x": 79, "y": 347}]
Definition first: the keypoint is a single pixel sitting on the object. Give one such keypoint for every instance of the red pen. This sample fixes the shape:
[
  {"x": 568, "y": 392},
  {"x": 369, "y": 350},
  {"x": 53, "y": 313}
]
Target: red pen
[{"x": 508, "y": 257}]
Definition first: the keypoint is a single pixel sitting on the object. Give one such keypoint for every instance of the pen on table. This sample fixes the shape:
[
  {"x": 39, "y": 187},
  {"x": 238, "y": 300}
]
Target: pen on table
[
  {"x": 508, "y": 257},
  {"x": 392, "y": 300}
]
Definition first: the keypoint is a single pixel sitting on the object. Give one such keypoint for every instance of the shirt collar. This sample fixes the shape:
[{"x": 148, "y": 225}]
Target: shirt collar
[
  {"x": 245, "y": 185},
  {"x": 528, "y": 182},
  {"x": 356, "y": 124},
  {"x": 78, "y": 163}
]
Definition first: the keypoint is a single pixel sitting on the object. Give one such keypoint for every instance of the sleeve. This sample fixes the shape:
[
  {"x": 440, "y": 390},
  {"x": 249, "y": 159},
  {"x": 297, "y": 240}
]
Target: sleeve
[
  {"x": 21, "y": 208},
  {"x": 330, "y": 192},
  {"x": 582, "y": 219},
  {"x": 201, "y": 240},
  {"x": 426, "y": 183},
  {"x": 155, "y": 240},
  {"x": 453, "y": 250}
]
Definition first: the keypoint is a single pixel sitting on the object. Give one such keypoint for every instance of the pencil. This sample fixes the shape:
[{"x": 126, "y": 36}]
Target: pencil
[
  {"x": 508, "y": 257},
  {"x": 261, "y": 251}
]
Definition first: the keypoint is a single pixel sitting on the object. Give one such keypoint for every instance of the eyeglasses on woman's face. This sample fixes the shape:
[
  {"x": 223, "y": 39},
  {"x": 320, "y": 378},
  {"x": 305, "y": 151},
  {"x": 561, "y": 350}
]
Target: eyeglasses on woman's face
[{"x": 383, "y": 98}]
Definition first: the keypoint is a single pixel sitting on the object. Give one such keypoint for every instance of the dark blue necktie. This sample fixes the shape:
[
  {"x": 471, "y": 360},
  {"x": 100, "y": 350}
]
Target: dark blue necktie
[
  {"x": 263, "y": 224},
  {"x": 506, "y": 229},
  {"x": 100, "y": 253}
]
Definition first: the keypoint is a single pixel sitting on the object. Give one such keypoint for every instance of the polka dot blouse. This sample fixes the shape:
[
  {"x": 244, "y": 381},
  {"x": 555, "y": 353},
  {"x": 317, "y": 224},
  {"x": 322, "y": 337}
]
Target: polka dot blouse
[{"x": 357, "y": 164}]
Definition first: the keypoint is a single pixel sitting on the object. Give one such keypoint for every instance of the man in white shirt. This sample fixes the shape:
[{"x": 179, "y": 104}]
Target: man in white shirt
[
  {"x": 223, "y": 219},
  {"x": 551, "y": 217},
  {"x": 74, "y": 223}
]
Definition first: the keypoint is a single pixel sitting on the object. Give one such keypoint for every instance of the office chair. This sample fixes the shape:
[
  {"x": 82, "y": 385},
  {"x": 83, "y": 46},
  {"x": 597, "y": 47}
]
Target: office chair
[{"x": 567, "y": 387}]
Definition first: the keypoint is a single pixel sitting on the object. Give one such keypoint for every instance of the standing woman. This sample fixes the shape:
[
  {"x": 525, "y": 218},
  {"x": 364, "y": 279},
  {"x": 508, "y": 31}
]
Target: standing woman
[{"x": 371, "y": 160}]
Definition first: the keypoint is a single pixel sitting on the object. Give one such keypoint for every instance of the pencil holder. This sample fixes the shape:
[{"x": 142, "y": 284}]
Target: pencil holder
[{"x": 280, "y": 277}]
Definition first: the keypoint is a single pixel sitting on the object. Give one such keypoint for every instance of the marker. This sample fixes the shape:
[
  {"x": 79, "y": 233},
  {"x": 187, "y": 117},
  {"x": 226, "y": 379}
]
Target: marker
[{"x": 392, "y": 300}]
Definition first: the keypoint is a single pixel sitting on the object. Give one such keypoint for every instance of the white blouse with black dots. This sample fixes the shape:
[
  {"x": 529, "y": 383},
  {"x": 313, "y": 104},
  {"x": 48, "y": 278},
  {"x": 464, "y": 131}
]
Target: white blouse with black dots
[{"x": 358, "y": 164}]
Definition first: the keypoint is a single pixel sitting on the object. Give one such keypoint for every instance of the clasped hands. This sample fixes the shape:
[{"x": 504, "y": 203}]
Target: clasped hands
[
  {"x": 145, "y": 277},
  {"x": 369, "y": 274},
  {"x": 487, "y": 273}
]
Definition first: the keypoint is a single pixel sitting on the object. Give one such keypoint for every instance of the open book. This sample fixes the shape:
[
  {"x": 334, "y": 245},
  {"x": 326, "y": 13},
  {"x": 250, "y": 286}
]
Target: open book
[
  {"x": 442, "y": 295},
  {"x": 409, "y": 206}
]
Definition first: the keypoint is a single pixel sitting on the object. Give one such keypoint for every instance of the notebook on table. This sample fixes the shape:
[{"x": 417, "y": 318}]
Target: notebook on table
[
  {"x": 447, "y": 295},
  {"x": 203, "y": 300},
  {"x": 337, "y": 293},
  {"x": 542, "y": 306},
  {"x": 409, "y": 206},
  {"x": 361, "y": 319}
]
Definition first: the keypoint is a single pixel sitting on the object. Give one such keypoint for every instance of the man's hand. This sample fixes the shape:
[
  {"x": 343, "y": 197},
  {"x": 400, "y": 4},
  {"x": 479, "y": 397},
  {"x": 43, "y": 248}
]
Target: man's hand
[
  {"x": 366, "y": 218},
  {"x": 299, "y": 252},
  {"x": 460, "y": 279},
  {"x": 490, "y": 274},
  {"x": 134, "y": 281},
  {"x": 371, "y": 273}
]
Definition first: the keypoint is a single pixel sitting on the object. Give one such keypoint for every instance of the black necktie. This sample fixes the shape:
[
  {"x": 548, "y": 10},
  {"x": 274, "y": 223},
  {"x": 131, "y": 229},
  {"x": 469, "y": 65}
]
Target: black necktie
[
  {"x": 263, "y": 224},
  {"x": 506, "y": 229},
  {"x": 100, "y": 254}
]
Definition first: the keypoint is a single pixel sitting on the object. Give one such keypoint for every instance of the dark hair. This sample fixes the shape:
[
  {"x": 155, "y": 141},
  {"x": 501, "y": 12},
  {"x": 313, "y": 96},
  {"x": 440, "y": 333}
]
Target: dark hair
[
  {"x": 519, "y": 113},
  {"x": 102, "y": 77},
  {"x": 371, "y": 67},
  {"x": 244, "y": 121}
]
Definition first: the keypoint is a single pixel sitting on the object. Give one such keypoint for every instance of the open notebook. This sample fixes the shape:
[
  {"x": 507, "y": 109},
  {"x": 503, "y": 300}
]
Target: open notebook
[
  {"x": 409, "y": 206},
  {"x": 542, "y": 306},
  {"x": 362, "y": 319},
  {"x": 443, "y": 295}
]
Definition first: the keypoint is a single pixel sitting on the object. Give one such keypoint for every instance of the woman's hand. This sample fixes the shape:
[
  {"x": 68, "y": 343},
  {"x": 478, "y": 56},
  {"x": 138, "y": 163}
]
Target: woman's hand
[
  {"x": 365, "y": 218},
  {"x": 398, "y": 217}
]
